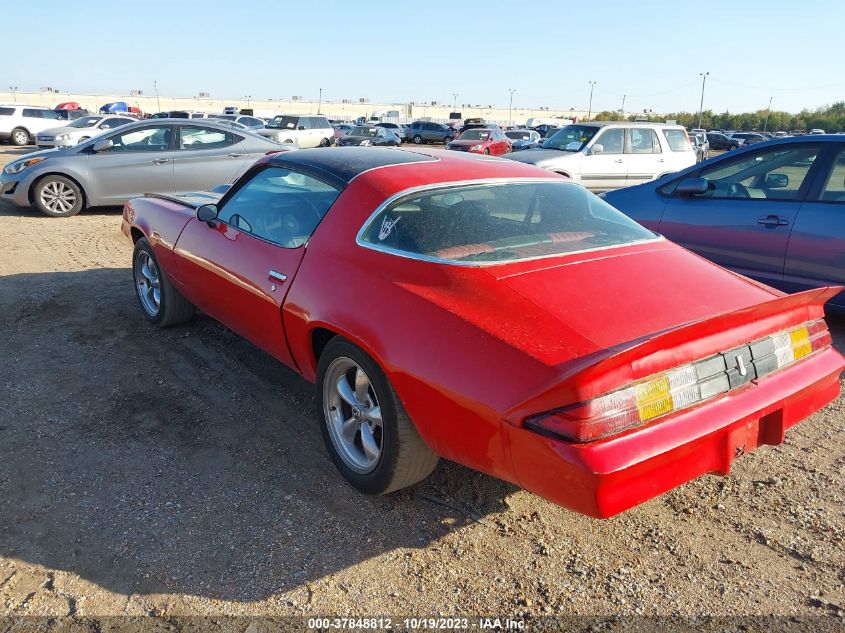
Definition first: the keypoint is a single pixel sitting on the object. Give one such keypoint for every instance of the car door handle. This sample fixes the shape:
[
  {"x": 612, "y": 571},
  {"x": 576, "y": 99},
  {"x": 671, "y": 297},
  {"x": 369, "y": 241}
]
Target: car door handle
[
  {"x": 235, "y": 155},
  {"x": 277, "y": 276},
  {"x": 161, "y": 161},
  {"x": 773, "y": 220},
  {"x": 618, "y": 160}
]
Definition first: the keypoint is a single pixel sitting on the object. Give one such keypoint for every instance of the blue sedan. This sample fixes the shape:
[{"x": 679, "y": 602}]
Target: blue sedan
[{"x": 773, "y": 211}]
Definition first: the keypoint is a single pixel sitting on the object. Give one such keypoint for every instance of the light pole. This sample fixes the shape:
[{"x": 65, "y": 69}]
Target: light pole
[
  {"x": 510, "y": 108},
  {"x": 590, "y": 109},
  {"x": 14, "y": 90},
  {"x": 622, "y": 110},
  {"x": 701, "y": 105},
  {"x": 454, "y": 101},
  {"x": 768, "y": 112},
  {"x": 155, "y": 87},
  {"x": 320, "y": 102},
  {"x": 247, "y": 97}
]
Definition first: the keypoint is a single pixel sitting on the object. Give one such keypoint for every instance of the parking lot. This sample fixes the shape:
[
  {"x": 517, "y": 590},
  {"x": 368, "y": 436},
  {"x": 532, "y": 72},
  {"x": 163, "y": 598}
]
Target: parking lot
[{"x": 182, "y": 472}]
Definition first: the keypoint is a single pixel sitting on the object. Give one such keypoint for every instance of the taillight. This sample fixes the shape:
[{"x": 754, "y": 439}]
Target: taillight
[{"x": 682, "y": 387}]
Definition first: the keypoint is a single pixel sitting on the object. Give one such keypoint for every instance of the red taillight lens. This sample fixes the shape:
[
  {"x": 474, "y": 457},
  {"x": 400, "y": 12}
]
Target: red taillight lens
[{"x": 682, "y": 387}]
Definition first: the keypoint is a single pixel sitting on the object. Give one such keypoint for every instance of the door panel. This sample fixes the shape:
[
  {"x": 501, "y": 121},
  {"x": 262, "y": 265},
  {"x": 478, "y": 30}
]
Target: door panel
[
  {"x": 816, "y": 252},
  {"x": 226, "y": 273},
  {"x": 214, "y": 158},
  {"x": 744, "y": 220},
  {"x": 141, "y": 161},
  {"x": 728, "y": 232},
  {"x": 603, "y": 172}
]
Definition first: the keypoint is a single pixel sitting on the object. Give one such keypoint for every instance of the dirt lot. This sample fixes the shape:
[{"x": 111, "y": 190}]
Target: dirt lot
[{"x": 181, "y": 472}]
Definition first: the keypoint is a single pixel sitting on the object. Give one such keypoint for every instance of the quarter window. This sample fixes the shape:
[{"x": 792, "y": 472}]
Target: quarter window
[
  {"x": 773, "y": 174},
  {"x": 280, "y": 206},
  {"x": 678, "y": 140},
  {"x": 500, "y": 223},
  {"x": 32, "y": 114},
  {"x": 196, "y": 137}
]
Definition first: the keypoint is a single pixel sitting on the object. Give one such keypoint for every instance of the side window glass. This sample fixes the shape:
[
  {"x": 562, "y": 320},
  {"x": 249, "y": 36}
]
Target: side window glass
[
  {"x": 149, "y": 139},
  {"x": 196, "y": 137},
  {"x": 772, "y": 174},
  {"x": 612, "y": 141},
  {"x": 644, "y": 141},
  {"x": 280, "y": 206},
  {"x": 677, "y": 139},
  {"x": 834, "y": 188},
  {"x": 32, "y": 114}
]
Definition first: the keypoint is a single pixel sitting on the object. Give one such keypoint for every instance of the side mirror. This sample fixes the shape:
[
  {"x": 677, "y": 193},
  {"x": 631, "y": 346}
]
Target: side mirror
[
  {"x": 598, "y": 148},
  {"x": 692, "y": 186},
  {"x": 777, "y": 181},
  {"x": 207, "y": 213},
  {"x": 103, "y": 145}
]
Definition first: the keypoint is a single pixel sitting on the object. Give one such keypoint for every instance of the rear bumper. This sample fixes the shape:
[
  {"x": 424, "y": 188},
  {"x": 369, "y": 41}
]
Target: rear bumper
[{"x": 606, "y": 477}]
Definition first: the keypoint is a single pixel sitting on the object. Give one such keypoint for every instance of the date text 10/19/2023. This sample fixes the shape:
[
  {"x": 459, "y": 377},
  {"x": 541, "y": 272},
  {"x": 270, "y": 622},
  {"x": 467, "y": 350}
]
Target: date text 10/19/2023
[{"x": 431, "y": 624}]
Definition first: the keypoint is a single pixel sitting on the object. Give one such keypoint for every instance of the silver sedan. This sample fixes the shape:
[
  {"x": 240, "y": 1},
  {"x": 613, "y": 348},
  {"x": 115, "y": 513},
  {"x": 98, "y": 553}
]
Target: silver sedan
[{"x": 168, "y": 156}]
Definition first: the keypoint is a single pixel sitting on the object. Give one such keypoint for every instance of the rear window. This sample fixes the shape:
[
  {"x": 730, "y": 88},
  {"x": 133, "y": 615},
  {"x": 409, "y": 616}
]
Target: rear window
[
  {"x": 678, "y": 141},
  {"x": 502, "y": 222},
  {"x": 7, "y": 111}
]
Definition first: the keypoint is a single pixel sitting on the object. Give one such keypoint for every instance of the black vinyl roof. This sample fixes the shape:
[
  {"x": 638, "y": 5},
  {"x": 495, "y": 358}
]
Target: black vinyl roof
[{"x": 345, "y": 163}]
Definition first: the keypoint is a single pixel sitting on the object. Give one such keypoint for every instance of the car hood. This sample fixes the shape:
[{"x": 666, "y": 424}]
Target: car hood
[
  {"x": 606, "y": 298},
  {"x": 195, "y": 198},
  {"x": 462, "y": 142},
  {"x": 539, "y": 155},
  {"x": 273, "y": 131},
  {"x": 349, "y": 139},
  {"x": 62, "y": 130}
]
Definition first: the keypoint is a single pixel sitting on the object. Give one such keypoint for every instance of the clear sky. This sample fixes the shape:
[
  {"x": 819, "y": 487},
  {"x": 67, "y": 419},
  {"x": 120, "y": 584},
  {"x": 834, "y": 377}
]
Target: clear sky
[{"x": 398, "y": 51}]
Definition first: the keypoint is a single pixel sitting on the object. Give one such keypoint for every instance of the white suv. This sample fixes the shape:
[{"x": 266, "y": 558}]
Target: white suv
[
  {"x": 609, "y": 155},
  {"x": 304, "y": 131},
  {"x": 19, "y": 124}
]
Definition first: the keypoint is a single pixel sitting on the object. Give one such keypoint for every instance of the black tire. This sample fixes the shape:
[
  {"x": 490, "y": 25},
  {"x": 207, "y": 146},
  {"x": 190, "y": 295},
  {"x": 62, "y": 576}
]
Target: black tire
[
  {"x": 487, "y": 151},
  {"x": 173, "y": 307},
  {"x": 418, "y": 139},
  {"x": 58, "y": 197},
  {"x": 20, "y": 137},
  {"x": 83, "y": 139},
  {"x": 405, "y": 458},
  {"x": 324, "y": 142}
]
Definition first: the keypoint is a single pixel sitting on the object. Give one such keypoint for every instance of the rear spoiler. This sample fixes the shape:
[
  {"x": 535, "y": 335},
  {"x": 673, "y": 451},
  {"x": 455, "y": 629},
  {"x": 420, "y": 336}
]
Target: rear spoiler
[{"x": 606, "y": 370}]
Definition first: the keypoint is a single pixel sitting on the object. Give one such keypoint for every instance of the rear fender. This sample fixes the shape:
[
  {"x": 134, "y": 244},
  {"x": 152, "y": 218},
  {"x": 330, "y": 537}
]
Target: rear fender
[
  {"x": 161, "y": 221},
  {"x": 604, "y": 371}
]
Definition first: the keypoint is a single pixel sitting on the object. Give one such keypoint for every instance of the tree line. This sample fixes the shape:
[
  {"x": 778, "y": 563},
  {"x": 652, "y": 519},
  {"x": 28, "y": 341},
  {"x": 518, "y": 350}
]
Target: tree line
[{"x": 829, "y": 118}]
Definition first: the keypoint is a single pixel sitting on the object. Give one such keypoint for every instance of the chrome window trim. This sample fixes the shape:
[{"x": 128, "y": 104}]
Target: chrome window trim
[{"x": 359, "y": 238}]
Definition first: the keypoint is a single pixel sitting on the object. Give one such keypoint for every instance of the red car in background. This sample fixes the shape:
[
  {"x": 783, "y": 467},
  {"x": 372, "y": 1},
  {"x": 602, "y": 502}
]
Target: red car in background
[
  {"x": 482, "y": 141},
  {"x": 490, "y": 313}
]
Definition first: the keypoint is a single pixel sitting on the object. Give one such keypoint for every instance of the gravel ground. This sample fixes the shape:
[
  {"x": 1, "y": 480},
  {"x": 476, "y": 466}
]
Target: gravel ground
[{"x": 181, "y": 473}]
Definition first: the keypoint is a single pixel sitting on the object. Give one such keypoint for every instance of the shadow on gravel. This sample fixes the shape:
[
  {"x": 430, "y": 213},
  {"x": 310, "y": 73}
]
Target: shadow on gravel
[{"x": 181, "y": 461}]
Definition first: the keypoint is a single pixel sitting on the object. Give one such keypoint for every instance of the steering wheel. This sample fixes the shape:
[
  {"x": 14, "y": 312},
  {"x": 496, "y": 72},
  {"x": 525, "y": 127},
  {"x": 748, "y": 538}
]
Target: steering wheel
[{"x": 738, "y": 190}]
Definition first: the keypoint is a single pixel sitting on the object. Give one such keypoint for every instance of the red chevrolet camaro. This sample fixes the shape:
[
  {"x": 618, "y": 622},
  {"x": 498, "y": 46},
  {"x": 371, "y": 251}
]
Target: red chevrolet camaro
[{"x": 490, "y": 313}]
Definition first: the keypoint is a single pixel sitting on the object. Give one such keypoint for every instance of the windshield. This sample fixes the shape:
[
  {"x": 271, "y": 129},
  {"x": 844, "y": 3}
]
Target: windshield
[
  {"x": 364, "y": 131},
  {"x": 86, "y": 121},
  {"x": 483, "y": 223},
  {"x": 572, "y": 138},
  {"x": 519, "y": 135},
  {"x": 283, "y": 122},
  {"x": 475, "y": 135}
]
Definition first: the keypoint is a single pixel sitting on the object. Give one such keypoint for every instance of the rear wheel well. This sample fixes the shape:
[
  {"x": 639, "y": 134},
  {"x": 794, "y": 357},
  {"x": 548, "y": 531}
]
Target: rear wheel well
[
  {"x": 136, "y": 234},
  {"x": 320, "y": 337},
  {"x": 564, "y": 174},
  {"x": 71, "y": 178}
]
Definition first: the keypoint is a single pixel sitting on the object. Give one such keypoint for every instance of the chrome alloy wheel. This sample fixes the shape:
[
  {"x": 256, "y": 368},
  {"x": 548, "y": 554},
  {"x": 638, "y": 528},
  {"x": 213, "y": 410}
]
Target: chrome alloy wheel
[
  {"x": 353, "y": 415},
  {"x": 58, "y": 197},
  {"x": 147, "y": 283}
]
